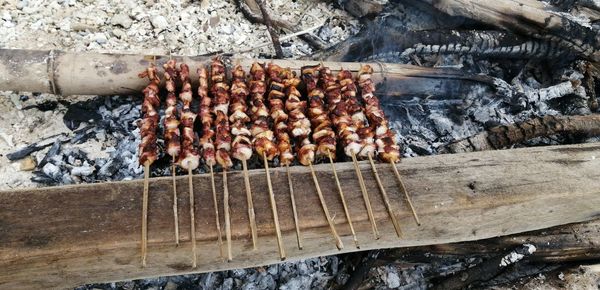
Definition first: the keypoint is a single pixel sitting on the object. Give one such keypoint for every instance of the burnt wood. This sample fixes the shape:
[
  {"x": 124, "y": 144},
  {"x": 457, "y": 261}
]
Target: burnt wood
[{"x": 59, "y": 237}]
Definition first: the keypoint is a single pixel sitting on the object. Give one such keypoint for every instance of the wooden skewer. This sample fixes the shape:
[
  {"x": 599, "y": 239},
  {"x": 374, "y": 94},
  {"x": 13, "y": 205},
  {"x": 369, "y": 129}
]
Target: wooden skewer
[
  {"x": 227, "y": 217},
  {"x": 217, "y": 219},
  {"x": 175, "y": 215},
  {"x": 145, "y": 213},
  {"x": 251, "y": 215},
  {"x": 403, "y": 189},
  {"x": 192, "y": 219},
  {"x": 338, "y": 240},
  {"x": 294, "y": 209},
  {"x": 343, "y": 198},
  {"x": 386, "y": 198},
  {"x": 365, "y": 194},
  {"x": 274, "y": 209}
]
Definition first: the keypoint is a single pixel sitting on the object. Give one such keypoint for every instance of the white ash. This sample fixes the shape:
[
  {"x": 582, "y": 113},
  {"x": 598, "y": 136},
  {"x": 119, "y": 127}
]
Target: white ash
[
  {"x": 316, "y": 273},
  {"x": 161, "y": 27},
  {"x": 516, "y": 255}
]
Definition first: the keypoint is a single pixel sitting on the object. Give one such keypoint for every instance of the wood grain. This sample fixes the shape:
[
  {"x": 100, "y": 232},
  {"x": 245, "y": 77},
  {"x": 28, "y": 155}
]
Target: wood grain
[{"x": 59, "y": 237}]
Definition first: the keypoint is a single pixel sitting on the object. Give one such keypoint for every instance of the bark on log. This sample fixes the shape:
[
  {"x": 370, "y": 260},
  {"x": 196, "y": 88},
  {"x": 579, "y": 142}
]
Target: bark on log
[
  {"x": 64, "y": 236},
  {"x": 504, "y": 136},
  {"x": 66, "y": 73},
  {"x": 529, "y": 17}
]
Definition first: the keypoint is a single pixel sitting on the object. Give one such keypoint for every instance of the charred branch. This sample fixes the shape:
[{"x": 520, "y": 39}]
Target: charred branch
[
  {"x": 486, "y": 270},
  {"x": 272, "y": 31},
  {"x": 252, "y": 12},
  {"x": 531, "y": 18},
  {"x": 504, "y": 136}
]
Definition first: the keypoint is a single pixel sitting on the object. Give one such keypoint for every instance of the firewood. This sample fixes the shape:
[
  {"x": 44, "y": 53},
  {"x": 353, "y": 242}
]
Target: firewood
[
  {"x": 533, "y": 18},
  {"x": 461, "y": 197},
  {"x": 504, "y": 136}
]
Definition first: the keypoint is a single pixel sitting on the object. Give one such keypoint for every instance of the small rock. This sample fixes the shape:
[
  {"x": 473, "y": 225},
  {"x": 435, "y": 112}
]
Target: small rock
[
  {"x": 393, "y": 281},
  {"x": 159, "y": 22},
  {"x": 78, "y": 26},
  {"x": 7, "y": 139},
  {"x": 100, "y": 38},
  {"x": 6, "y": 16},
  {"x": 22, "y": 4},
  {"x": 227, "y": 29},
  {"x": 119, "y": 33},
  {"x": 122, "y": 20},
  {"x": 27, "y": 164}
]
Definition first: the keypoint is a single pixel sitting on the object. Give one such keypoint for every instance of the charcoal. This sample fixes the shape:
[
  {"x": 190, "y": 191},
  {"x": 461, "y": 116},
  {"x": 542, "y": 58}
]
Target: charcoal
[
  {"x": 80, "y": 112},
  {"x": 41, "y": 177},
  {"x": 54, "y": 150},
  {"x": 49, "y": 105}
]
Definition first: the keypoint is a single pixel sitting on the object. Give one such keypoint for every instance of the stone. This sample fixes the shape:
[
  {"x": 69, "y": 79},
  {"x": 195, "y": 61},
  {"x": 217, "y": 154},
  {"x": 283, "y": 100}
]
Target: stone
[
  {"x": 119, "y": 33},
  {"x": 100, "y": 38},
  {"x": 122, "y": 20},
  {"x": 6, "y": 16},
  {"x": 227, "y": 29},
  {"x": 27, "y": 164},
  {"x": 159, "y": 22}
]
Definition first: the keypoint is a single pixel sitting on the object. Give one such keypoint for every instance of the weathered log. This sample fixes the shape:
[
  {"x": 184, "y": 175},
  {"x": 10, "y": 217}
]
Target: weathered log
[
  {"x": 503, "y": 136},
  {"x": 114, "y": 74},
  {"x": 63, "y": 236},
  {"x": 529, "y": 17}
]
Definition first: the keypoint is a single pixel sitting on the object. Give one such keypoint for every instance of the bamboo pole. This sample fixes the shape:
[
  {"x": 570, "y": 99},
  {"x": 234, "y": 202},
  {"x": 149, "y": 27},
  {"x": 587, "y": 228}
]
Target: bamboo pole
[{"x": 65, "y": 73}]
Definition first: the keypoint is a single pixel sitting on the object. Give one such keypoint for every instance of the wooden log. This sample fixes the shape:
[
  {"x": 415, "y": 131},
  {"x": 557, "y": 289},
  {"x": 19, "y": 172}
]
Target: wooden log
[
  {"x": 66, "y": 73},
  {"x": 507, "y": 135},
  {"x": 529, "y": 17},
  {"x": 70, "y": 235}
]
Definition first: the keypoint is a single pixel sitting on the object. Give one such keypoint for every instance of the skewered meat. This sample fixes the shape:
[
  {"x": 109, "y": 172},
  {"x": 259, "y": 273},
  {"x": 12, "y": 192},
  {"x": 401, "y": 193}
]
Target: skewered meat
[
  {"x": 189, "y": 158},
  {"x": 148, "y": 148},
  {"x": 220, "y": 95},
  {"x": 262, "y": 136},
  {"x": 387, "y": 148},
  {"x": 241, "y": 145},
  {"x": 323, "y": 134},
  {"x": 355, "y": 110},
  {"x": 171, "y": 122},
  {"x": 206, "y": 117},
  {"x": 278, "y": 78}
]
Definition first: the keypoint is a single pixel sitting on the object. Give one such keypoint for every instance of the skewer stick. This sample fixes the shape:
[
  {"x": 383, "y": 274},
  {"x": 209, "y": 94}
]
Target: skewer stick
[
  {"x": 403, "y": 189},
  {"x": 338, "y": 240},
  {"x": 294, "y": 210},
  {"x": 175, "y": 215},
  {"x": 227, "y": 218},
  {"x": 145, "y": 213},
  {"x": 274, "y": 209},
  {"x": 251, "y": 215},
  {"x": 192, "y": 219},
  {"x": 346, "y": 211},
  {"x": 386, "y": 199},
  {"x": 365, "y": 194},
  {"x": 218, "y": 223}
]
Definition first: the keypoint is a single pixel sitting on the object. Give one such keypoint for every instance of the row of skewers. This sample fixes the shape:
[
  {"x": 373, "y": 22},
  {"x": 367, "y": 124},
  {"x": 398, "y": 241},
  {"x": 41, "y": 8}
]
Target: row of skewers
[{"x": 264, "y": 113}]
